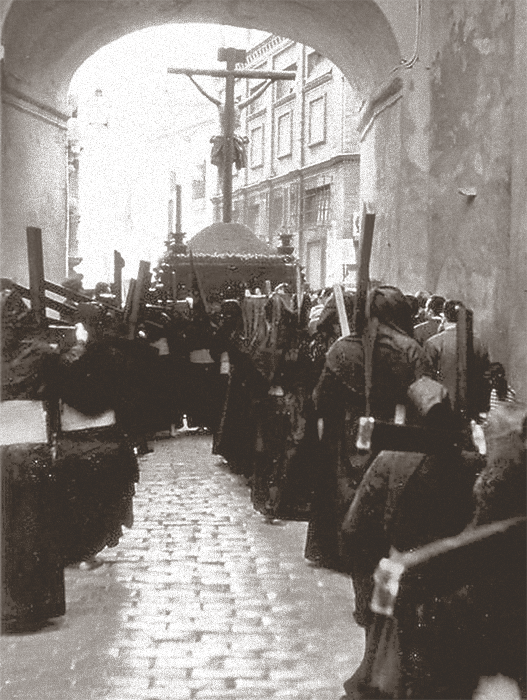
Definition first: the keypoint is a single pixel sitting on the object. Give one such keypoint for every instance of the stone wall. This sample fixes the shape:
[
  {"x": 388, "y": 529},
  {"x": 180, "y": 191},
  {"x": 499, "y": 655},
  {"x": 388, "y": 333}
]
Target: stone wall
[
  {"x": 471, "y": 144},
  {"x": 34, "y": 162}
]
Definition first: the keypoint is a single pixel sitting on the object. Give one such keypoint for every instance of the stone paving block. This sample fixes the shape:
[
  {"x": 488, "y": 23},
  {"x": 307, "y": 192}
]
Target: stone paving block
[
  {"x": 135, "y": 638},
  {"x": 248, "y": 613},
  {"x": 289, "y": 675},
  {"x": 263, "y": 685},
  {"x": 277, "y": 655},
  {"x": 188, "y": 608},
  {"x": 217, "y": 625},
  {"x": 251, "y": 641},
  {"x": 258, "y": 603},
  {"x": 134, "y": 683},
  {"x": 213, "y": 617},
  {"x": 215, "y": 607},
  {"x": 211, "y": 686},
  {"x": 175, "y": 693},
  {"x": 210, "y": 651},
  {"x": 210, "y": 595},
  {"x": 185, "y": 665},
  {"x": 247, "y": 626},
  {"x": 210, "y": 673},
  {"x": 212, "y": 580},
  {"x": 228, "y": 694},
  {"x": 248, "y": 668},
  {"x": 279, "y": 623},
  {"x": 138, "y": 664},
  {"x": 163, "y": 674},
  {"x": 241, "y": 568},
  {"x": 183, "y": 631}
]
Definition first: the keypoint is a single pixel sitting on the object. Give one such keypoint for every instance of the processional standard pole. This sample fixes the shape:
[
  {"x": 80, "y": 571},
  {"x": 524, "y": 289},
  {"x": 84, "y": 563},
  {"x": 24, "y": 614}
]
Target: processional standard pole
[{"x": 232, "y": 57}]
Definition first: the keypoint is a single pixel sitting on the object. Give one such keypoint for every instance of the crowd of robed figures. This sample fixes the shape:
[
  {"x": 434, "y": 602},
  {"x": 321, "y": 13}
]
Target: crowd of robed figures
[
  {"x": 294, "y": 402},
  {"x": 358, "y": 435}
]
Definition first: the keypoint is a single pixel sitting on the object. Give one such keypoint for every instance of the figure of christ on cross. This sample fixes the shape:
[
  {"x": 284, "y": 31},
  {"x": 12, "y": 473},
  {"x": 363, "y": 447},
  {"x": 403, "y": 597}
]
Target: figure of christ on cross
[
  {"x": 240, "y": 142},
  {"x": 230, "y": 147}
]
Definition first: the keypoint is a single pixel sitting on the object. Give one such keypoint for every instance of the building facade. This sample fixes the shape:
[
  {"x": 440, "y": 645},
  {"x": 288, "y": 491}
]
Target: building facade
[{"x": 302, "y": 175}]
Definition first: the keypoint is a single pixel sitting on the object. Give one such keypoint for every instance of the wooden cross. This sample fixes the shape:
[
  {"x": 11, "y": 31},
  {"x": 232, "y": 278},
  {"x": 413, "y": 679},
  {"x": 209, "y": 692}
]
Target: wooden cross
[{"x": 232, "y": 57}]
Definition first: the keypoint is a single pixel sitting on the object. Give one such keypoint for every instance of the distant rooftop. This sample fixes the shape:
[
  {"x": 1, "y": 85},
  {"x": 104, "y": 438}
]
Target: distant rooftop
[{"x": 261, "y": 49}]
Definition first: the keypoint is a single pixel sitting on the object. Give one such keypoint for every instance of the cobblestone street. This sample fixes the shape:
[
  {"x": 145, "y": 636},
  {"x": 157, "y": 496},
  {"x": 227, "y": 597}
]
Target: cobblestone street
[{"x": 202, "y": 599}]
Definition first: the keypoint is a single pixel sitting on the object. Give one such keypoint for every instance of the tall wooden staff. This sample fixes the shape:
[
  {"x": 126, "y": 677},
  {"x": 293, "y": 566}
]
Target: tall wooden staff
[
  {"x": 360, "y": 323},
  {"x": 36, "y": 273},
  {"x": 173, "y": 285},
  {"x": 341, "y": 310},
  {"x": 118, "y": 264},
  {"x": 464, "y": 363},
  {"x": 363, "y": 281},
  {"x": 139, "y": 290}
]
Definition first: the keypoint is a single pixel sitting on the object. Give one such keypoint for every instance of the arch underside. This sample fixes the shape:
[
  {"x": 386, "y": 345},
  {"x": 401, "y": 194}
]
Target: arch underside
[{"x": 47, "y": 40}]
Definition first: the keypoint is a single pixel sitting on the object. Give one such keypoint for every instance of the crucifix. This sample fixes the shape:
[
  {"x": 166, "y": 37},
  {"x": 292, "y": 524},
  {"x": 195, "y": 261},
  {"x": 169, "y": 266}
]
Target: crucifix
[{"x": 232, "y": 57}]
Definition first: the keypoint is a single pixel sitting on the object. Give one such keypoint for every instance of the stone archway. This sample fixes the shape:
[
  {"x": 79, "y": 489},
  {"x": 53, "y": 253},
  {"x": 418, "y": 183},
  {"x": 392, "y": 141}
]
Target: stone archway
[
  {"x": 47, "y": 40},
  {"x": 442, "y": 115}
]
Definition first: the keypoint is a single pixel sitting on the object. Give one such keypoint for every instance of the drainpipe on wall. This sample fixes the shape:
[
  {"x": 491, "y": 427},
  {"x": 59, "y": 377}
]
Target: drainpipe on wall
[
  {"x": 300, "y": 202},
  {"x": 67, "y": 199}
]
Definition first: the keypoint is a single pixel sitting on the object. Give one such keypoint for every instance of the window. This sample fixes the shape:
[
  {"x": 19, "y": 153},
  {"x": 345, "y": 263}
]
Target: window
[
  {"x": 285, "y": 87},
  {"x": 317, "y": 205},
  {"x": 253, "y": 217},
  {"x": 259, "y": 103},
  {"x": 98, "y": 109},
  {"x": 314, "y": 59},
  {"x": 276, "y": 215},
  {"x": 352, "y": 232},
  {"x": 257, "y": 146},
  {"x": 285, "y": 133},
  {"x": 170, "y": 215},
  {"x": 314, "y": 264},
  {"x": 292, "y": 221},
  {"x": 317, "y": 121},
  {"x": 198, "y": 184},
  {"x": 198, "y": 189}
]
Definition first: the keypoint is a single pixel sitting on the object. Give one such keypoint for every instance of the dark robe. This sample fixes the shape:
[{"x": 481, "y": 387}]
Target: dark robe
[
  {"x": 98, "y": 470},
  {"x": 97, "y": 465},
  {"x": 203, "y": 393},
  {"x": 499, "y": 595},
  {"x": 32, "y": 564},
  {"x": 425, "y": 330},
  {"x": 398, "y": 361},
  {"x": 405, "y": 501},
  {"x": 280, "y": 485},
  {"x": 442, "y": 352},
  {"x": 476, "y": 614},
  {"x": 235, "y": 435}
]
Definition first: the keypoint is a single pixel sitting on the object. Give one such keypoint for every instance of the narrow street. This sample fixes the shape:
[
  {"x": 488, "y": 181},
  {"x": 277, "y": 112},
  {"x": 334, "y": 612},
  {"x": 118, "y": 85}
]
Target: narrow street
[{"x": 202, "y": 599}]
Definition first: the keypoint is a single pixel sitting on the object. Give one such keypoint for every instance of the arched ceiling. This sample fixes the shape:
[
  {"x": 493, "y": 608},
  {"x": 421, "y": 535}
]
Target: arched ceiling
[{"x": 45, "y": 41}]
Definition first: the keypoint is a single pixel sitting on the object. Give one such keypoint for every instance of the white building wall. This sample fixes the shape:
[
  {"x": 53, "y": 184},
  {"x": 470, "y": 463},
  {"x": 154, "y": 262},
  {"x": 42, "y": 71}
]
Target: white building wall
[{"x": 309, "y": 134}]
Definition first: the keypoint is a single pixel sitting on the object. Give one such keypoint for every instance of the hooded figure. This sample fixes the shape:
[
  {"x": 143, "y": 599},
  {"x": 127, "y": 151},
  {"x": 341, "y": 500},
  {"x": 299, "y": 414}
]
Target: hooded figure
[
  {"x": 342, "y": 397},
  {"x": 234, "y": 434},
  {"x": 32, "y": 572},
  {"x": 405, "y": 501}
]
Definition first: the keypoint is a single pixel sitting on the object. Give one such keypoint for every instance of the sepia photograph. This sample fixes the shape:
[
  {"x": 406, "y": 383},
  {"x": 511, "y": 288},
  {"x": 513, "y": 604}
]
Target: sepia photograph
[{"x": 263, "y": 411}]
